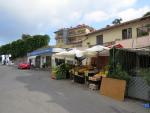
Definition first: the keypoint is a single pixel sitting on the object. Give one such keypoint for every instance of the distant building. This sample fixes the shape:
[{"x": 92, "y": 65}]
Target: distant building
[
  {"x": 130, "y": 34},
  {"x": 73, "y": 36},
  {"x": 42, "y": 57}
]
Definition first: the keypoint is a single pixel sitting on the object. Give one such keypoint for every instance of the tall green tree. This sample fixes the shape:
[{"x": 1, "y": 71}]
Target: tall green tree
[
  {"x": 26, "y": 36},
  {"x": 27, "y": 43}
]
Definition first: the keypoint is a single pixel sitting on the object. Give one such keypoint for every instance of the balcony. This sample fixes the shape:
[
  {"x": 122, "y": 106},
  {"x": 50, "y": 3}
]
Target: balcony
[{"x": 139, "y": 42}]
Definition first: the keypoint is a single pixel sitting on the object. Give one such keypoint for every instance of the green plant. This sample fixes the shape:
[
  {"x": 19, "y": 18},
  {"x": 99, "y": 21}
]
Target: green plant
[
  {"x": 62, "y": 71},
  {"x": 26, "y": 44},
  {"x": 45, "y": 65},
  {"x": 146, "y": 74},
  {"x": 119, "y": 73},
  {"x": 144, "y": 33}
]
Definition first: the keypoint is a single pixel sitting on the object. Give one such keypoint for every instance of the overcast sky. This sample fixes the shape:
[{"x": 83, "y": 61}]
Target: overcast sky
[{"x": 46, "y": 16}]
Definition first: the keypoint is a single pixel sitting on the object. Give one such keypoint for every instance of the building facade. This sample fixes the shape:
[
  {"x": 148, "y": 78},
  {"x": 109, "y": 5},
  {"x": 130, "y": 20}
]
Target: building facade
[
  {"x": 131, "y": 34},
  {"x": 73, "y": 36},
  {"x": 42, "y": 57}
]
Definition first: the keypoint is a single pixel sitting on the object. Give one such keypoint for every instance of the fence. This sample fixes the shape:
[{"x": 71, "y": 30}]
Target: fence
[{"x": 139, "y": 89}]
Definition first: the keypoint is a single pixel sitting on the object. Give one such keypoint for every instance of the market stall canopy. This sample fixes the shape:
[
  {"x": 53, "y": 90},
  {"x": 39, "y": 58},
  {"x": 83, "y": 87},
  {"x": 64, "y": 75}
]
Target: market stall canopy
[
  {"x": 97, "y": 49},
  {"x": 72, "y": 53},
  {"x": 63, "y": 53},
  {"x": 76, "y": 53}
]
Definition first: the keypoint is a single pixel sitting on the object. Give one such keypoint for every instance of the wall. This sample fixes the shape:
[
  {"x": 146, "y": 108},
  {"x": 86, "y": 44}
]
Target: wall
[
  {"x": 32, "y": 60},
  {"x": 59, "y": 43}
]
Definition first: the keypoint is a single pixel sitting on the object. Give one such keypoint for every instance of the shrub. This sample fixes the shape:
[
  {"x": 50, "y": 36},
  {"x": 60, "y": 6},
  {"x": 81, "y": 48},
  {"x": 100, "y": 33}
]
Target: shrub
[
  {"x": 119, "y": 73},
  {"x": 62, "y": 71}
]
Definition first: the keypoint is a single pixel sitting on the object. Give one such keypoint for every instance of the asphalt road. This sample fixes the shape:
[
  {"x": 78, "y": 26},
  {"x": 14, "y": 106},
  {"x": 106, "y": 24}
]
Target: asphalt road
[{"x": 28, "y": 91}]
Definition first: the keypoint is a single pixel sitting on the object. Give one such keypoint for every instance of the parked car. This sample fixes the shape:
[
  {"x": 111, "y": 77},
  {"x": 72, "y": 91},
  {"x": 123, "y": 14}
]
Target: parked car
[{"x": 24, "y": 66}]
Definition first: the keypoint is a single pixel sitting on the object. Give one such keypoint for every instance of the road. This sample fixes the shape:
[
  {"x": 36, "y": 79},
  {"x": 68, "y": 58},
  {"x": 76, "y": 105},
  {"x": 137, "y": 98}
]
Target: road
[{"x": 30, "y": 91}]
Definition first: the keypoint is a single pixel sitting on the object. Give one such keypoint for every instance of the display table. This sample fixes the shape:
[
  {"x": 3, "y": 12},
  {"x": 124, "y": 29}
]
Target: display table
[
  {"x": 79, "y": 79},
  {"x": 89, "y": 74},
  {"x": 94, "y": 82}
]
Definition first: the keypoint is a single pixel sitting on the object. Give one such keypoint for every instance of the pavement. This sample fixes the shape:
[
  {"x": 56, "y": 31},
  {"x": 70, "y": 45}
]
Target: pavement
[{"x": 33, "y": 91}]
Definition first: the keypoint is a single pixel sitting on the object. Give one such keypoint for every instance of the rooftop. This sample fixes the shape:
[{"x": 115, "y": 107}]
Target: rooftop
[
  {"x": 124, "y": 23},
  {"x": 76, "y": 27}
]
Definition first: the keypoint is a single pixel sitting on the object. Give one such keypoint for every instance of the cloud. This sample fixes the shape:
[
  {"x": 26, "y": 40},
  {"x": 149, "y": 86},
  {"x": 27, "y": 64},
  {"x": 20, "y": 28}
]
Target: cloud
[
  {"x": 57, "y": 12},
  {"x": 96, "y": 16},
  {"x": 45, "y": 16},
  {"x": 132, "y": 13}
]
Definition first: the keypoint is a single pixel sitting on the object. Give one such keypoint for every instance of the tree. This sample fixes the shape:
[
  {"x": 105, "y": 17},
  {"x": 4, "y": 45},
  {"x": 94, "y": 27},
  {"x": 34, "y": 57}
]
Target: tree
[
  {"x": 117, "y": 21},
  {"x": 146, "y": 14},
  {"x": 27, "y": 43},
  {"x": 26, "y": 36}
]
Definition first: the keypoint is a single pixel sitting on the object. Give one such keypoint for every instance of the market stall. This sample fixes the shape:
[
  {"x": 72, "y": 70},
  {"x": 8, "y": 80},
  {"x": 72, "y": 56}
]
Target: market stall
[{"x": 88, "y": 64}]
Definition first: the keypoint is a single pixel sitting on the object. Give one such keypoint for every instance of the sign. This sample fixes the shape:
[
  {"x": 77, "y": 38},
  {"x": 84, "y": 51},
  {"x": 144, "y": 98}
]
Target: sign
[
  {"x": 40, "y": 52},
  {"x": 147, "y": 105}
]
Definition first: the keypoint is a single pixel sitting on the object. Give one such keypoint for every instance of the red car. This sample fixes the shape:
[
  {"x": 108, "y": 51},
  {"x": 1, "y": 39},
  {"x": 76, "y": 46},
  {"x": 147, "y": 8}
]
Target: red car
[{"x": 24, "y": 66}]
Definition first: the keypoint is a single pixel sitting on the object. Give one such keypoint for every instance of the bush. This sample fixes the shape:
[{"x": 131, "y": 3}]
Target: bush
[
  {"x": 62, "y": 71},
  {"x": 118, "y": 73}
]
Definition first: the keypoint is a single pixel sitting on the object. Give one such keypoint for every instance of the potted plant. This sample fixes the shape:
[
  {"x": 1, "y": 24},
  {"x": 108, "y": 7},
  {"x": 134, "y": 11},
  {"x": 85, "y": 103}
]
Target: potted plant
[{"x": 62, "y": 71}]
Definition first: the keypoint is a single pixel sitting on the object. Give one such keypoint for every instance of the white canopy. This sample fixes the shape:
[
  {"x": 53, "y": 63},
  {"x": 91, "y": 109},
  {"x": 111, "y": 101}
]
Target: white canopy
[
  {"x": 63, "y": 53},
  {"x": 75, "y": 52},
  {"x": 57, "y": 50},
  {"x": 71, "y": 53},
  {"x": 98, "y": 48}
]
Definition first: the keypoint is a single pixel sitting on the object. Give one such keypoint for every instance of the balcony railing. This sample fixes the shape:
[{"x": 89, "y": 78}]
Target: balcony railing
[{"x": 141, "y": 42}]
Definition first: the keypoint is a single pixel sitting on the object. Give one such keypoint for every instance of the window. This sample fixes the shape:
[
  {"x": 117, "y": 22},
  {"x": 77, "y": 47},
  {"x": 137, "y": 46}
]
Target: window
[
  {"x": 127, "y": 33},
  {"x": 99, "y": 39},
  {"x": 142, "y": 31}
]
